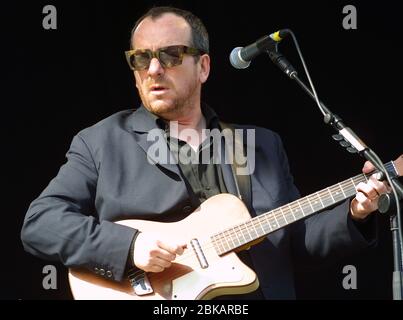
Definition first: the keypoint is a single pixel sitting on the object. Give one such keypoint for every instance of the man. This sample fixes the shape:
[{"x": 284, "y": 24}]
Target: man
[{"x": 109, "y": 177}]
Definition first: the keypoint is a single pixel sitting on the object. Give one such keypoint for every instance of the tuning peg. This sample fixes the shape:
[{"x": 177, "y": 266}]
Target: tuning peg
[
  {"x": 352, "y": 150},
  {"x": 345, "y": 144},
  {"x": 337, "y": 137}
]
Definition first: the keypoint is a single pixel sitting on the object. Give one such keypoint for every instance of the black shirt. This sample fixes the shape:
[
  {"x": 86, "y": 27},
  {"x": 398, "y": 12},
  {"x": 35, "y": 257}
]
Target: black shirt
[{"x": 203, "y": 177}]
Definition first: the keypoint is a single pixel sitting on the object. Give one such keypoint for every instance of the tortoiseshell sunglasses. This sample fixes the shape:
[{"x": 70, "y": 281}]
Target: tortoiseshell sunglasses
[{"x": 171, "y": 56}]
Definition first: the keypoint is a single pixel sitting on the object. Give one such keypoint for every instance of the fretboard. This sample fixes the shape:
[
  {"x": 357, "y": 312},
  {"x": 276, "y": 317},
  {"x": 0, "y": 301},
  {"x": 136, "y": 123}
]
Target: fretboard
[{"x": 247, "y": 232}]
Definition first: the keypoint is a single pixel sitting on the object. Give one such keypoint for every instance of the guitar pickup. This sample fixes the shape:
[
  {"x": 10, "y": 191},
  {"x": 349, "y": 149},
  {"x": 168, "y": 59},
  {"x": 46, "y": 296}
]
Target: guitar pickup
[{"x": 199, "y": 253}]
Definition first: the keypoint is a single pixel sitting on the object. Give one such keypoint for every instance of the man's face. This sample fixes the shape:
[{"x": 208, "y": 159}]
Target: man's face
[{"x": 169, "y": 92}]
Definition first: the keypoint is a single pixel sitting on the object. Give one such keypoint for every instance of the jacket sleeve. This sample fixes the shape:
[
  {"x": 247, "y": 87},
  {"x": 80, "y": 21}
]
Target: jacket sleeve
[
  {"x": 328, "y": 236},
  {"x": 62, "y": 224}
]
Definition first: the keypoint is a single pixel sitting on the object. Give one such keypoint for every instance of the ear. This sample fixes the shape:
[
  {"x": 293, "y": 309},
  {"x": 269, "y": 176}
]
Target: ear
[{"x": 204, "y": 67}]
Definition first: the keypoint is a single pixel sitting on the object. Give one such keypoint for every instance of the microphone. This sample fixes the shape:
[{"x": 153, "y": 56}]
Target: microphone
[{"x": 240, "y": 57}]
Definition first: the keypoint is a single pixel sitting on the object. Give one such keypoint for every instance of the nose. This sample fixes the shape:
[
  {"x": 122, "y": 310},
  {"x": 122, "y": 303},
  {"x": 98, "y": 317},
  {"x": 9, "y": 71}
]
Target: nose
[{"x": 155, "y": 68}]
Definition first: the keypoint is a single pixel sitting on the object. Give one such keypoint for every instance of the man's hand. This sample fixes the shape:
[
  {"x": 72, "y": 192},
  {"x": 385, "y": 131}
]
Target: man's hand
[
  {"x": 366, "y": 199},
  {"x": 153, "y": 254}
]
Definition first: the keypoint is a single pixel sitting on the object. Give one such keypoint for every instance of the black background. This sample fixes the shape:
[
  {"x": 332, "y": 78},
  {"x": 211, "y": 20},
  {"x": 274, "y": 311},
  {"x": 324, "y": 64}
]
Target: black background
[{"x": 57, "y": 82}]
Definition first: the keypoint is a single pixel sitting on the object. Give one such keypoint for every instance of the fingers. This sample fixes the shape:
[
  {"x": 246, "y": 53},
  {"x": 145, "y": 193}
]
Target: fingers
[
  {"x": 159, "y": 262},
  {"x": 365, "y": 203},
  {"x": 366, "y": 199},
  {"x": 367, "y": 190},
  {"x": 380, "y": 186},
  {"x": 172, "y": 247},
  {"x": 368, "y": 167},
  {"x": 155, "y": 268},
  {"x": 154, "y": 255}
]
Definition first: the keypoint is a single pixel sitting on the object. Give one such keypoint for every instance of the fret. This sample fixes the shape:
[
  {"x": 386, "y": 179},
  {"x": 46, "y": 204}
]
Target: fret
[
  {"x": 352, "y": 180},
  {"x": 248, "y": 230},
  {"x": 295, "y": 219},
  {"x": 272, "y": 223},
  {"x": 306, "y": 206},
  {"x": 230, "y": 237},
  {"x": 320, "y": 199},
  {"x": 252, "y": 225},
  {"x": 226, "y": 242},
  {"x": 352, "y": 186},
  {"x": 302, "y": 210},
  {"x": 337, "y": 194},
  {"x": 309, "y": 201},
  {"x": 217, "y": 243},
  {"x": 275, "y": 218},
  {"x": 316, "y": 203},
  {"x": 222, "y": 245},
  {"x": 331, "y": 195},
  {"x": 259, "y": 219},
  {"x": 342, "y": 190},
  {"x": 327, "y": 198},
  {"x": 235, "y": 236},
  {"x": 366, "y": 178},
  {"x": 281, "y": 219},
  {"x": 291, "y": 210},
  {"x": 242, "y": 232},
  {"x": 349, "y": 190},
  {"x": 295, "y": 211}
]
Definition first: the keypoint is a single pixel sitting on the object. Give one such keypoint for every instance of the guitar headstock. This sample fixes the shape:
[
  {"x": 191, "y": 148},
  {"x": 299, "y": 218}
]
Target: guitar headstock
[{"x": 399, "y": 165}]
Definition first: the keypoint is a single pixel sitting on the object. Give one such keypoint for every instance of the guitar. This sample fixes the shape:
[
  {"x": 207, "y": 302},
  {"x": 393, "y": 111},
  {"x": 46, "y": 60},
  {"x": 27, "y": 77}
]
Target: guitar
[{"x": 209, "y": 266}]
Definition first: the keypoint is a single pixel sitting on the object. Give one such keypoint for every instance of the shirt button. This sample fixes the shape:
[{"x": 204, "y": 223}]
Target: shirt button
[
  {"x": 187, "y": 209},
  {"x": 109, "y": 274},
  {"x": 102, "y": 272}
]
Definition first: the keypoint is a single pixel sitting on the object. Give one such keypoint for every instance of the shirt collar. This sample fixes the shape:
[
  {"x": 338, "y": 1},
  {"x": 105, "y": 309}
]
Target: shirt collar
[{"x": 147, "y": 120}]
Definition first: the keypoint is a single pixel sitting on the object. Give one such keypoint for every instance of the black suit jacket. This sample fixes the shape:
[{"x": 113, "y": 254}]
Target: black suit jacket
[{"x": 108, "y": 177}]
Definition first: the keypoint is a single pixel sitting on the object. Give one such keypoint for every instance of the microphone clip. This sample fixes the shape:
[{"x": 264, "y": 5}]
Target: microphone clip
[{"x": 282, "y": 62}]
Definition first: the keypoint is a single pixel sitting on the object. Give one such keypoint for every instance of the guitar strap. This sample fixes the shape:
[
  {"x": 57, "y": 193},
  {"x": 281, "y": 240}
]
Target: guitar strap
[{"x": 242, "y": 182}]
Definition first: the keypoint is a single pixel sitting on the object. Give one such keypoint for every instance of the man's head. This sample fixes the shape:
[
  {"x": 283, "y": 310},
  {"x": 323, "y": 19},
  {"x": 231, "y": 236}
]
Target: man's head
[{"x": 170, "y": 87}]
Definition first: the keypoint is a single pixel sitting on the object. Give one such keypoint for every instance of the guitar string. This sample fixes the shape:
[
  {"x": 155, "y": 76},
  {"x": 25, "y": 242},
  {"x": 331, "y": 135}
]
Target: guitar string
[
  {"x": 231, "y": 233},
  {"x": 280, "y": 213},
  {"x": 272, "y": 215},
  {"x": 218, "y": 237}
]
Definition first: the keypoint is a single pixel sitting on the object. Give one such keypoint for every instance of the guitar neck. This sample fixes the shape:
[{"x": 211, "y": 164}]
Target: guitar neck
[{"x": 248, "y": 232}]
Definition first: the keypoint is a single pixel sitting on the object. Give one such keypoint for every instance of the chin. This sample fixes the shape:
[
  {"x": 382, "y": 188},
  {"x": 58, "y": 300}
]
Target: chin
[{"x": 162, "y": 108}]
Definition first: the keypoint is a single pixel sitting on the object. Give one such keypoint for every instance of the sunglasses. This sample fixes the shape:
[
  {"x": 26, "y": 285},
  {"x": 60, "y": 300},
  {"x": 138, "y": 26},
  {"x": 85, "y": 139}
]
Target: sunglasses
[{"x": 168, "y": 57}]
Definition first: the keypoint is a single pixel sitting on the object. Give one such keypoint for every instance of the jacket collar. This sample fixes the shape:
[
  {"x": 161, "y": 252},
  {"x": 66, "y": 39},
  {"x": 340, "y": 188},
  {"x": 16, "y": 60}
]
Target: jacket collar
[{"x": 144, "y": 121}]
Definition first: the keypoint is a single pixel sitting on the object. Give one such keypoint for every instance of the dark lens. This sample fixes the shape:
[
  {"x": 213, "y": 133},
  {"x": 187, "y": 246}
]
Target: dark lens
[
  {"x": 140, "y": 60},
  {"x": 171, "y": 56}
]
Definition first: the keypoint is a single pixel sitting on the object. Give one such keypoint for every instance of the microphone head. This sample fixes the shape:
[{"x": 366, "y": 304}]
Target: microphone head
[{"x": 236, "y": 59}]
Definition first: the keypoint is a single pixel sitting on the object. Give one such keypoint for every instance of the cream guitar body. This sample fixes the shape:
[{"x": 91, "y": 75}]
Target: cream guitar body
[{"x": 199, "y": 273}]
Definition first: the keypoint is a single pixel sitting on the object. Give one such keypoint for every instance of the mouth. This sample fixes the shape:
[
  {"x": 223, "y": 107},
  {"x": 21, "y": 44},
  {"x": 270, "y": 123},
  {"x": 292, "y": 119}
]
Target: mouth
[{"x": 157, "y": 89}]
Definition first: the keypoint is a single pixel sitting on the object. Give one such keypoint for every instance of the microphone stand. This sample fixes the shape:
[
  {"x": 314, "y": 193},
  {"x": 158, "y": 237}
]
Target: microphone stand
[{"x": 353, "y": 143}]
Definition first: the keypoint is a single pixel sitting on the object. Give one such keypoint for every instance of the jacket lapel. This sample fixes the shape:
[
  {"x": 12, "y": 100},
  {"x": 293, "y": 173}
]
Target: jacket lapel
[{"x": 152, "y": 140}]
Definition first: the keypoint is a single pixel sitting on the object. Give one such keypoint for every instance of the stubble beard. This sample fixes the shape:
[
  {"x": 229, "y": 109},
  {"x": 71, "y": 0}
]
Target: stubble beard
[{"x": 174, "y": 109}]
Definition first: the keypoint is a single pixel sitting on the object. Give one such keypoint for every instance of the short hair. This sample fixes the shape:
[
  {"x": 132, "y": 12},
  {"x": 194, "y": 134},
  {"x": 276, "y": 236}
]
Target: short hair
[{"x": 199, "y": 35}]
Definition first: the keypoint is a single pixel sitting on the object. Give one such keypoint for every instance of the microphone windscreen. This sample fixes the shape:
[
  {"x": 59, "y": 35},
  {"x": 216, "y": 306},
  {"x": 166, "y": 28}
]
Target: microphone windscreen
[{"x": 236, "y": 60}]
